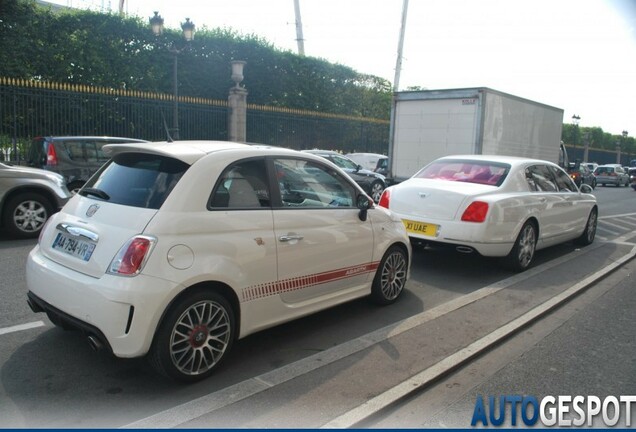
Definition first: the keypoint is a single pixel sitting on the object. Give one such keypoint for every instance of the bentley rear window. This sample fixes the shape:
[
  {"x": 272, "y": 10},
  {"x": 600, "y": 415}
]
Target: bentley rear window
[{"x": 481, "y": 172}]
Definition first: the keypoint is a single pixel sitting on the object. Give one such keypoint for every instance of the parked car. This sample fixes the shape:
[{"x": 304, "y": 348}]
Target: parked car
[
  {"x": 145, "y": 264},
  {"x": 371, "y": 161},
  {"x": 28, "y": 197},
  {"x": 581, "y": 174},
  {"x": 372, "y": 183},
  {"x": 382, "y": 166},
  {"x": 591, "y": 165},
  {"x": 494, "y": 205},
  {"x": 611, "y": 174},
  {"x": 632, "y": 177},
  {"x": 74, "y": 157}
]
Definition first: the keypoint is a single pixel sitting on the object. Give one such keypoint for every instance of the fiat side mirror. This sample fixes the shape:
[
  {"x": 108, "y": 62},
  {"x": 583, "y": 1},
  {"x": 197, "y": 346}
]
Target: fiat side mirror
[{"x": 363, "y": 203}]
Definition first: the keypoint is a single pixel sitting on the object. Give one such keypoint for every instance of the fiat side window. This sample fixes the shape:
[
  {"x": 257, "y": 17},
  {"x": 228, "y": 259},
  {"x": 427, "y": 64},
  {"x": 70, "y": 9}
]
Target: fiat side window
[
  {"x": 242, "y": 185},
  {"x": 304, "y": 183}
]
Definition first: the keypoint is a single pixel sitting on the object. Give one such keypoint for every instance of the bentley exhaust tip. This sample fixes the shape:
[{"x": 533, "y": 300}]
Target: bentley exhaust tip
[
  {"x": 95, "y": 343},
  {"x": 464, "y": 249}
]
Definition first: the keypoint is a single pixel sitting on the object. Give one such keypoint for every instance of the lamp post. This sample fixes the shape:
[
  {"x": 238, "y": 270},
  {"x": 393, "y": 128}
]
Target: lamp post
[
  {"x": 618, "y": 147},
  {"x": 575, "y": 121},
  {"x": 156, "y": 24}
]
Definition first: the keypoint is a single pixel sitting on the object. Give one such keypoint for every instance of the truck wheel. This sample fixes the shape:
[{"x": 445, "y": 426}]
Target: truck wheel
[
  {"x": 522, "y": 252},
  {"x": 590, "y": 229},
  {"x": 25, "y": 214},
  {"x": 194, "y": 337},
  {"x": 390, "y": 277}
]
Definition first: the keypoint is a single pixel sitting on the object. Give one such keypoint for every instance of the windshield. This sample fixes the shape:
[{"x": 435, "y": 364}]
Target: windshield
[
  {"x": 136, "y": 179},
  {"x": 480, "y": 172},
  {"x": 344, "y": 162}
]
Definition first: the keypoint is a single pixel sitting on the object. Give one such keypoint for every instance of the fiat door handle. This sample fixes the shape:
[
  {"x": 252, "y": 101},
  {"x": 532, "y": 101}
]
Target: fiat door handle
[{"x": 290, "y": 237}]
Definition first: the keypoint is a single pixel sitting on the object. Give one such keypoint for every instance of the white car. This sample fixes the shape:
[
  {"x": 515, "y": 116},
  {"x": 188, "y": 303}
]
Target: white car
[
  {"x": 496, "y": 206},
  {"x": 371, "y": 161},
  {"x": 177, "y": 249}
]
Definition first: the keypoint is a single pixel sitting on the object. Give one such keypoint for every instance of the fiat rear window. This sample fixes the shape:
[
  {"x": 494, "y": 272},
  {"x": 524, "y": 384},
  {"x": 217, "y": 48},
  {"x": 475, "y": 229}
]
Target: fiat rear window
[{"x": 136, "y": 179}]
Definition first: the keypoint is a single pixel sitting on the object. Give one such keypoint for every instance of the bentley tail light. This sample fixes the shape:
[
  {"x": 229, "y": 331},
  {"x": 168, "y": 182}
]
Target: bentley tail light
[
  {"x": 385, "y": 198},
  {"x": 475, "y": 212}
]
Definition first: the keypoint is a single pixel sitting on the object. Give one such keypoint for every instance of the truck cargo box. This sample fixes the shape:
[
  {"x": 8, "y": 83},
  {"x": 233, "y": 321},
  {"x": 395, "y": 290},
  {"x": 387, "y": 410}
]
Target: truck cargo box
[{"x": 429, "y": 124}]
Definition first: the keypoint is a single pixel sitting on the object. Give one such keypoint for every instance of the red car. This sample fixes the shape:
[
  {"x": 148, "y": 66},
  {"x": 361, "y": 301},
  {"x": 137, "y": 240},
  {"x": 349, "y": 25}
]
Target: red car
[{"x": 581, "y": 174}]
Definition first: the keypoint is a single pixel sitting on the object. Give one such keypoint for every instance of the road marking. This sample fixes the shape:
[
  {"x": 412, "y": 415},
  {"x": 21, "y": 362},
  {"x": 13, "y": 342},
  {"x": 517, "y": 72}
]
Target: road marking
[
  {"x": 617, "y": 216},
  {"x": 195, "y": 408},
  {"x": 17, "y": 328},
  {"x": 415, "y": 383},
  {"x": 615, "y": 225},
  {"x": 601, "y": 228}
]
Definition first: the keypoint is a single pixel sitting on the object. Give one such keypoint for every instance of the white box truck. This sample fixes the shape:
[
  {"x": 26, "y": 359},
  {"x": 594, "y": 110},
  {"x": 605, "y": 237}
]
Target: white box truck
[{"x": 426, "y": 125}]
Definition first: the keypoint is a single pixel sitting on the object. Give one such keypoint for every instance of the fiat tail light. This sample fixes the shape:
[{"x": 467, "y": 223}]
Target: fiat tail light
[{"x": 131, "y": 258}]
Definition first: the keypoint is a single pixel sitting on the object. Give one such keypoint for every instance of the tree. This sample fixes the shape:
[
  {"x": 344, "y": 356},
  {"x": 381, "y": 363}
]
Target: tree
[{"x": 85, "y": 47}]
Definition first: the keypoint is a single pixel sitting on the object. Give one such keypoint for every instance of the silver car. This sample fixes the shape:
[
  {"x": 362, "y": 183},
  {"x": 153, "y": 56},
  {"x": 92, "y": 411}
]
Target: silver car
[
  {"x": 611, "y": 174},
  {"x": 28, "y": 196}
]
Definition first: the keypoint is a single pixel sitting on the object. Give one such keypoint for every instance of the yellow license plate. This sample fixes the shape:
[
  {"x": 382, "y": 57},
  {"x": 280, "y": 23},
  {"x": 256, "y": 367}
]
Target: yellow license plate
[{"x": 420, "y": 228}]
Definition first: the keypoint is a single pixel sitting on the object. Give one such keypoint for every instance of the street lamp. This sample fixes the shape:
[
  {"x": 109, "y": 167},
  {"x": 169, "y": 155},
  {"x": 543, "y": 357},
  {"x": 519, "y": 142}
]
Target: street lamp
[
  {"x": 575, "y": 121},
  {"x": 618, "y": 147},
  {"x": 156, "y": 24}
]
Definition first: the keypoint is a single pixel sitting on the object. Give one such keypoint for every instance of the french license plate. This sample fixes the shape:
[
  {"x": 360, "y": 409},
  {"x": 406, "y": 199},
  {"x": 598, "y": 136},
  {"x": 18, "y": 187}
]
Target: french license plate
[
  {"x": 73, "y": 246},
  {"x": 426, "y": 229}
]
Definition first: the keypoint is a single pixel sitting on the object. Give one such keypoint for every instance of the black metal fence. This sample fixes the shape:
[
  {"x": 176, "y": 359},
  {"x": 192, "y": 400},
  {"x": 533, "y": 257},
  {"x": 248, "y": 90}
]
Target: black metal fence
[{"x": 30, "y": 108}]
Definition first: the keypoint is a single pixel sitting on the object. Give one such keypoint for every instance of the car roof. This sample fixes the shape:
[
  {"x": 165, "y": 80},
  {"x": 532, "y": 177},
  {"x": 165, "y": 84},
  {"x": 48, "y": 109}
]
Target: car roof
[
  {"x": 367, "y": 154},
  {"x": 191, "y": 151},
  {"x": 318, "y": 151},
  {"x": 512, "y": 160},
  {"x": 73, "y": 137}
]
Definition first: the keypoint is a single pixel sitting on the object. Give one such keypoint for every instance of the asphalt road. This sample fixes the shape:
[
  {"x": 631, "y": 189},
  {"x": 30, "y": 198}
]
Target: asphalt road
[{"x": 50, "y": 378}]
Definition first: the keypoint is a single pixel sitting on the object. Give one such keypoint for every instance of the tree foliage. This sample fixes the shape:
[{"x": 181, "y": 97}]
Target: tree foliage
[
  {"x": 85, "y": 47},
  {"x": 108, "y": 50},
  {"x": 595, "y": 137}
]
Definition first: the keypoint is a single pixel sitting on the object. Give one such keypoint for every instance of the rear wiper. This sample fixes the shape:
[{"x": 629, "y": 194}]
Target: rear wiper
[{"x": 96, "y": 192}]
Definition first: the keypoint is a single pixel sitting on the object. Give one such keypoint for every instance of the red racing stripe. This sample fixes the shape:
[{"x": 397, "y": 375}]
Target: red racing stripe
[{"x": 301, "y": 282}]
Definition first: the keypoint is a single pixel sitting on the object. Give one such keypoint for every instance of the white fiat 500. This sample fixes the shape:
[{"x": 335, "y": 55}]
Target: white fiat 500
[
  {"x": 497, "y": 206},
  {"x": 174, "y": 250}
]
